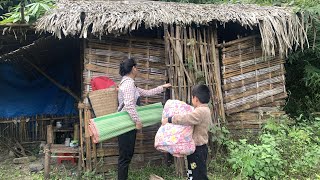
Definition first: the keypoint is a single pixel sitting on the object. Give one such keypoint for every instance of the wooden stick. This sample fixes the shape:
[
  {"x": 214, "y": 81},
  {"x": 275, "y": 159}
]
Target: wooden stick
[
  {"x": 88, "y": 140},
  {"x": 236, "y": 41},
  {"x": 217, "y": 74},
  {"x": 180, "y": 58},
  {"x": 67, "y": 90},
  {"x": 81, "y": 134}
]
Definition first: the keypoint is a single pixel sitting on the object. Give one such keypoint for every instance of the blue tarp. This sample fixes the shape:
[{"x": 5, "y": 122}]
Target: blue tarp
[{"x": 25, "y": 92}]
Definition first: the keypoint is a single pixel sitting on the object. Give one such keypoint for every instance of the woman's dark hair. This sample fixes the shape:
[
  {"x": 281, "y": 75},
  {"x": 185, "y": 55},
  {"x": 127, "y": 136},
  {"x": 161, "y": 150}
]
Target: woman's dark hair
[
  {"x": 126, "y": 66},
  {"x": 202, "y": 92}
]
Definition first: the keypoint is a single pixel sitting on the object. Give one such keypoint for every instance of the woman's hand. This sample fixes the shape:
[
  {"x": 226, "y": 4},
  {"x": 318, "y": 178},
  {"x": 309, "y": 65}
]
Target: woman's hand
[
  {"x": 168, "y": 85},
  {"x": 138, "y": 125}
]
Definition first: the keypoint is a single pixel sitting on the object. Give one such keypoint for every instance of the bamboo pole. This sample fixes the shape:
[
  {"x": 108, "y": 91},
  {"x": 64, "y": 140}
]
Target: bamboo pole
[
  {"x": 94, "y": 154},
  {"x": 173, "y": 60},
  {"x": 88, "y": 140},
  {"x": 217, "y": 75},
  {"x": 180, "y": 59},
  {"x": 236, "y": 41},
  {"x": 81, "y": 119},
  {"x": 184, "y": 54},
  {"x": 168, "y": 58}
]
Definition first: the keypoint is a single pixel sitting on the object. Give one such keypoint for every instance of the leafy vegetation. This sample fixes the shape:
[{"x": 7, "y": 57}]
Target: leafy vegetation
[
  {"x": 33, "y": 9},
  {"x": 284, "y": 150},
  {"x": 303, "y": 78}
]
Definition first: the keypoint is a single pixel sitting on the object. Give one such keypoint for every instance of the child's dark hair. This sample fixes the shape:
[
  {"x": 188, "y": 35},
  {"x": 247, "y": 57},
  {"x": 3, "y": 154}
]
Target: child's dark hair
[
  {"x": 126, "y": 66},
  {"x": 202, "y": 92}
]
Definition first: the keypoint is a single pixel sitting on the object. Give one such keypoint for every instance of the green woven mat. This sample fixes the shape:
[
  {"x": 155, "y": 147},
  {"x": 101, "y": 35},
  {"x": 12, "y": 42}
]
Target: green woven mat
[{"x": 115, "y": 124}]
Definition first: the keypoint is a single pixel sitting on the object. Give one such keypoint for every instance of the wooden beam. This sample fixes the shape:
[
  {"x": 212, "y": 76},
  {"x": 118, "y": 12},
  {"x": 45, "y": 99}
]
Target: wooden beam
[{"x": 67, "y": 90}]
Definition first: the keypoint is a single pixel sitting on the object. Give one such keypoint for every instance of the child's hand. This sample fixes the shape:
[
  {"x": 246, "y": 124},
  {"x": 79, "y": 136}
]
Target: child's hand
[
  {"x": 138, "y": 125},
  {"x": 164, "y": 121}
]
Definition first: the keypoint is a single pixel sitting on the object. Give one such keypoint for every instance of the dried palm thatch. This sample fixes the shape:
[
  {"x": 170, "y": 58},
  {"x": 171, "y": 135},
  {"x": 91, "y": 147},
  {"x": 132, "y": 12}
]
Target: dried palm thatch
[{"x": 279, "y": 27}]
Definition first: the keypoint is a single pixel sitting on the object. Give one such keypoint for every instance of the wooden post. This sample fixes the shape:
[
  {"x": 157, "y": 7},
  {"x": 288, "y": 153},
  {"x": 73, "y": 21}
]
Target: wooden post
[
  {"x": 76, "y": 131},
  {"x": 81, "y": 132},
  {"x": 47, "y": 158},
  {"x": 87, "y": 139},
  {"x": 179, "y": 166},
  {"x": 94, "y": 154},
  {"x": 79, "y": 163},
  {"x": 49, "y": 134}
]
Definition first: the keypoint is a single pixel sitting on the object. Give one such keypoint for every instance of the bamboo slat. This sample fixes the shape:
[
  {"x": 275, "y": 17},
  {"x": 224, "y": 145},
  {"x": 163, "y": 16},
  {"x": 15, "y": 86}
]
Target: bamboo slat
[
  {"x": 257, "y": 103},
  {"x": 253, "y": 68},
  {"x": 256, "y": 79},
  {"x": 253, "y": 85}
]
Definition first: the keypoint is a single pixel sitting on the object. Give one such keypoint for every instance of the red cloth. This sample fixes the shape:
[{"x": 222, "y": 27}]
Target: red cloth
[{"x": 101, "y": 82}]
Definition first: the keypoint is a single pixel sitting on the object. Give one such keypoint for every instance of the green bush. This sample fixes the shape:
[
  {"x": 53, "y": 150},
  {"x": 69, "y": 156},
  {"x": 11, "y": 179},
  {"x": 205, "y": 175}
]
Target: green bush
[{"x": 283, "y": 151}]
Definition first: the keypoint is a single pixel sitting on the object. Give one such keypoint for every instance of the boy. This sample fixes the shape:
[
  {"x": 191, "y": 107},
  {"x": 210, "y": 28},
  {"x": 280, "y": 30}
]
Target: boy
[{"x": 201, "y": 119}]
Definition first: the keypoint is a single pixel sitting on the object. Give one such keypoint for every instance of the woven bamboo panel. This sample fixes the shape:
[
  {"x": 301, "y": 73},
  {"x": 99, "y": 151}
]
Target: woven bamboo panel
[
  {"x": 102, "y": 58},
  {"x": 250, "y": 79},
  {"x": 249, "y": 123}
]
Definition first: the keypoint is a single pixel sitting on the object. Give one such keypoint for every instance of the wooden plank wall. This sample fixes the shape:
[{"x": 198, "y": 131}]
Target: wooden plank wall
[{"x": 102, "y": 58}]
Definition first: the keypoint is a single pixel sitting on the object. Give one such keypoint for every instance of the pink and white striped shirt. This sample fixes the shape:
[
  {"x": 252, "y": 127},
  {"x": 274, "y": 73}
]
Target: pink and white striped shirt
[{"x": 128, "y": 94}]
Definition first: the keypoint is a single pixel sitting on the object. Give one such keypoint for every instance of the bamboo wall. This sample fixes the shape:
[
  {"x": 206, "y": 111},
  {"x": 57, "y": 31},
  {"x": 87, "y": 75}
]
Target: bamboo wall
[
  {"x": 253, "y": 84},
  {"x": 192, "y": 58},
  {"x": 102, "y": 58}
]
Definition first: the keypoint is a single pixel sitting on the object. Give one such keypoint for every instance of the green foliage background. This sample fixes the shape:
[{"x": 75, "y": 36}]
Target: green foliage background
[{"x": 33, "y": 9}]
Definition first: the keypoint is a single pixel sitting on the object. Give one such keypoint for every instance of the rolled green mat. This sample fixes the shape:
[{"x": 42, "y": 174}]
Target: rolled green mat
[{"x": 112, "y": 125}]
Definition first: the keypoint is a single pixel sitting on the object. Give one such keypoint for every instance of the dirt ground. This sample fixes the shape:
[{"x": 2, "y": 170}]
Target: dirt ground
[{"x": 10, "y": 170}]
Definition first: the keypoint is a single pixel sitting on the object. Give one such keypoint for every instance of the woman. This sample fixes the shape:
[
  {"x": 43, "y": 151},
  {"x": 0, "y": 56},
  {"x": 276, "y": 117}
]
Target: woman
[{"x": 129, "y": 98}]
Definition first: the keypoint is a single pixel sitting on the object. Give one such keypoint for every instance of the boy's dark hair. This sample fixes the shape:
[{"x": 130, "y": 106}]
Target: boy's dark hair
[
  {"x": 202, "y": 92},
  {"x": 126, "y": 66}
]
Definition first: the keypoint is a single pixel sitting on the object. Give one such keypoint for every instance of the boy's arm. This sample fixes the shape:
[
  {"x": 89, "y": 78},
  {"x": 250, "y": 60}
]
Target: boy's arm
[{"x": 192, "y": 118}]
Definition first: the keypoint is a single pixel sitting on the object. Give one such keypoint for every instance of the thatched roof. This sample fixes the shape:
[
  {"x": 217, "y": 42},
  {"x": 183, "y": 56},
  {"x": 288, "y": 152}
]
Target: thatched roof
[{"x": 279, "y": 27}]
